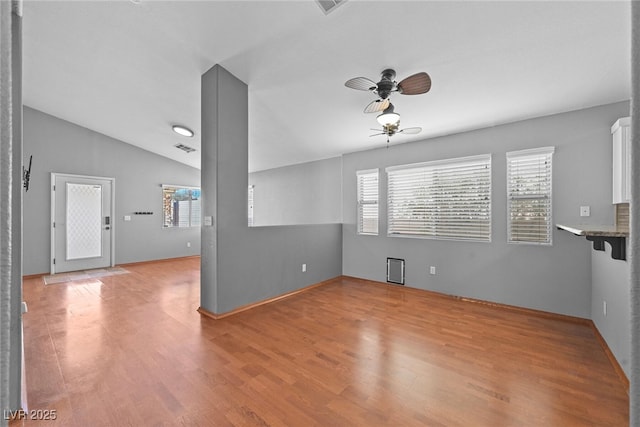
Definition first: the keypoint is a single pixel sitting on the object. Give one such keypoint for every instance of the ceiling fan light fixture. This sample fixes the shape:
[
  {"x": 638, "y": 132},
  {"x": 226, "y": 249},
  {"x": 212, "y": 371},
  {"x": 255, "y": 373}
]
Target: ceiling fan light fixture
[
  {"x": 181, "y": 130},
  {"x": 386, "y": 119}
]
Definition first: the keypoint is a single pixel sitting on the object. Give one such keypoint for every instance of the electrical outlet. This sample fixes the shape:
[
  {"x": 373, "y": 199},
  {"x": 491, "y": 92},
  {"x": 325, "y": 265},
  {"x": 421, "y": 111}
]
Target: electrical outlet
[
  {"x": 604, "y": 308},
  {"x": 432, "y": 270},
  {"x": 304, "y": 268},
  {"x": 585, "y": 210}
]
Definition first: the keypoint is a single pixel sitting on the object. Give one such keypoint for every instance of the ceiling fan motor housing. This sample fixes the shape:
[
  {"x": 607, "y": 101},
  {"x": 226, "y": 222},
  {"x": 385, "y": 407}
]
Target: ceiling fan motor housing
[
  {"x": 388, "y": 74},
  {"x": 386, "y": 85}
]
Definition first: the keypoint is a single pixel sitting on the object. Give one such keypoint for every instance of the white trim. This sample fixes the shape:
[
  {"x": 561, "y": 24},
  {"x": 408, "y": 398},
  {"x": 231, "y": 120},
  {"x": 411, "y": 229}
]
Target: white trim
[
  {"x": 52, "y": 251},
  {"x": 621, "y": 122},
  {"x": 367, "y": 171},
  {"x": 190, "y": 187},
  {"x": 531, "y": 152},
  {"x": 480, "y": 157}
]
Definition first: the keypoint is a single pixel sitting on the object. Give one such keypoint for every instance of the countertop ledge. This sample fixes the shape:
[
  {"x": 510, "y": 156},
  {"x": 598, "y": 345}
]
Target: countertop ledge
[{"x": 595, "y": 230}]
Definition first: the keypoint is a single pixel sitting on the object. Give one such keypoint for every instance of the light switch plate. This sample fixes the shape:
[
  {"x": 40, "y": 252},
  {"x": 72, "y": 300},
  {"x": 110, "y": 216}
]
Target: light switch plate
[
  {"x": 208, "y": 221},
  {"x": 127, "y": 217}
]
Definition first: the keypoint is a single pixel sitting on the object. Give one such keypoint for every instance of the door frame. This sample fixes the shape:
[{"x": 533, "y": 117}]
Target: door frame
[{"x": 112, "y": 228}]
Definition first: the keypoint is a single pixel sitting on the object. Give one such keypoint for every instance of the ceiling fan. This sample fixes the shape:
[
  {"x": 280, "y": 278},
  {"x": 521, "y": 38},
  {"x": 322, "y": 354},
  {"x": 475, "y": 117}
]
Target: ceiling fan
[
  {"x": 390, "y": 122},
  {"x": 415, "y": 84}
]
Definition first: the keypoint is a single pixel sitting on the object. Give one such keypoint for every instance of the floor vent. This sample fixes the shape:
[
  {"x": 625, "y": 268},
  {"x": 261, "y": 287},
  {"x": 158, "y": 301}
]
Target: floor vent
[
  {"x": 185, "y": 148},
  {"x": 395, "y": 271},
  {"x": 329, "y": 5}
]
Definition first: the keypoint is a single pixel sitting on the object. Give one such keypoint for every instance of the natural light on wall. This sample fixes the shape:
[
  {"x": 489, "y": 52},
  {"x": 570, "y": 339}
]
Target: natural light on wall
[{"x": 180, "y": 206}]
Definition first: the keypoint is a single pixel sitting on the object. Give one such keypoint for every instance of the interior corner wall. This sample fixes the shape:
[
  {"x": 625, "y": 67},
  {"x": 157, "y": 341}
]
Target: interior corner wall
[
  {"x": 610, "y": 285},
  {"x": 553, "y": 278},
  {"x": 63, "y": 147},
  {"x": 306, "y": 193},
  {"x": 242, "y": 265}
]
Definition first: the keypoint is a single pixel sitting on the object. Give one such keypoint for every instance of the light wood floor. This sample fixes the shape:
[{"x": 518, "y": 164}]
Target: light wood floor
[{"x": 132, "y": 350}]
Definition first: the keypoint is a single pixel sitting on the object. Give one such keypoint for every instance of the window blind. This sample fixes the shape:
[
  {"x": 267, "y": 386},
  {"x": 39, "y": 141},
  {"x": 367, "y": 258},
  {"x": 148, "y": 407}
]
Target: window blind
[
  {"x": 449, "y": 199},
  {"x": 367, "y": 182},
  {"x": 529, "y": 176}
]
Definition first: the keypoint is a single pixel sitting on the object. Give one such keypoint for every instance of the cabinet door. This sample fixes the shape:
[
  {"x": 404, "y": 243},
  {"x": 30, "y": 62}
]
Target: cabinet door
[{"x": 621, "y": 161}]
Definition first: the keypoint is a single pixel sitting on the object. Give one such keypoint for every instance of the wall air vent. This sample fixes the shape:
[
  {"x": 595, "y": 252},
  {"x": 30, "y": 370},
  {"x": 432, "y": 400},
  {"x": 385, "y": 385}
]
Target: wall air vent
[
  {"x": 329, "y": 5},
  {"x": 185, "y": 148},
  {"x": 395, "y": 271}
]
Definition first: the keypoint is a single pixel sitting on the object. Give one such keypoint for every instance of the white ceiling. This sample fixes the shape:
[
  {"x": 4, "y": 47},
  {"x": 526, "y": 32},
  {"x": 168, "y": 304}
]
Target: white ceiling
[{"x": 131, "y": 70}]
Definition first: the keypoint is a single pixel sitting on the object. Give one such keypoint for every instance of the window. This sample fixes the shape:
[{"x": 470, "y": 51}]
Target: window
[
  {"x": 368, "y": 201},
  {"x": 529, "y": 196},
  {"x": 250, "y": 206},
  {"x": 447, "y": 199},
  {"x": 180, "y": 206}
]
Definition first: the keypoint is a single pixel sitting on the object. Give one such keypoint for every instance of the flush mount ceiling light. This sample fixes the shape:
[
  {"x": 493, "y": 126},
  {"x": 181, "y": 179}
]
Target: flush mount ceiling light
[
  {"x": 181, "y": 130},
  {"x": 388, "y": 117}
]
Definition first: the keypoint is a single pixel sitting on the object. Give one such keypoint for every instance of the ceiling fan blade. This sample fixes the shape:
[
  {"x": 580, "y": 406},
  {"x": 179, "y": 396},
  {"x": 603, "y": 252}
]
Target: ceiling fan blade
[
  {"x": 376, "y": 134},
  {"x": 377, "y": 106},
  {"x": 411, "y": 130},
  {"x": 361, "y": 83},
  {"x": 415, "y": 84}
]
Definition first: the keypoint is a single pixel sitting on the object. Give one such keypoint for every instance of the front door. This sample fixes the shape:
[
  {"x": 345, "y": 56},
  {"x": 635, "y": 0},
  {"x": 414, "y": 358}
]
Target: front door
[{"x": 82, "y": 225}]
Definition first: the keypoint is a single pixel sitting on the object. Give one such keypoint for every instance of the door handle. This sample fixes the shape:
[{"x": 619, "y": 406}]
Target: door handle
[{"x": 107, "y": 228}]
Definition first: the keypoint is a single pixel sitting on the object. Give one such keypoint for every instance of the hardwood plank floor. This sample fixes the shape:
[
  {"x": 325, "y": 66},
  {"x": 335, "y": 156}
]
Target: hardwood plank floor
[{"x": 132, "y": 350}]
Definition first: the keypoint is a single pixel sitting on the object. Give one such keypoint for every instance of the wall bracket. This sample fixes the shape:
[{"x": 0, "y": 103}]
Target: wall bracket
[{"x": 618, "y": 246}]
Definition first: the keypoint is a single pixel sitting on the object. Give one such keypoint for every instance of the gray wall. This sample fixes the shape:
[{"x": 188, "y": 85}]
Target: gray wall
[
  {"x": 63, "y": 147},
  {"x": 610, "y": 283},
  {"x": 307, "y": 193},
  {"x": 555, "y": 278},
  {"x": 242, "y": 265}
]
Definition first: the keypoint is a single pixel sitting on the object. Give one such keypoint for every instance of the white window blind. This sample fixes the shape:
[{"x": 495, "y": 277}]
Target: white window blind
[
  {"x": 449, "y": 199},
  {"x": 529, "y": 196},
  {"x": 367, "y": 201}
]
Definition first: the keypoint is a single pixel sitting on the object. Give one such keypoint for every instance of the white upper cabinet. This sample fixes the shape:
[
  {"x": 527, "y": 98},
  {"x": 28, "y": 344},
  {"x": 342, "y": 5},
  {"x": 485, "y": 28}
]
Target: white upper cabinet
[{"x": 621, "y": 131}]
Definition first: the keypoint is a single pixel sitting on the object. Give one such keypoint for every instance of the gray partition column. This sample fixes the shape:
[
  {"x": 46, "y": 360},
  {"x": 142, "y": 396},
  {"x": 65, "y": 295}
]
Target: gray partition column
[
  {"x": 10, "y": 205},
  {"x": 241, "y": 265},
  {"x": 224, "y": 177}
]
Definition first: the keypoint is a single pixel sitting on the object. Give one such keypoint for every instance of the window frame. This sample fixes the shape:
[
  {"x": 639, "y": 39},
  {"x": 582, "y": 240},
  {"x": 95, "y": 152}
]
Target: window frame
[
  {"x": 541, "y": 152},
  {"x": 443, "y": 219},
  {"x": 360, "y": 203},
  {"x": 190, "y": 215}
]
